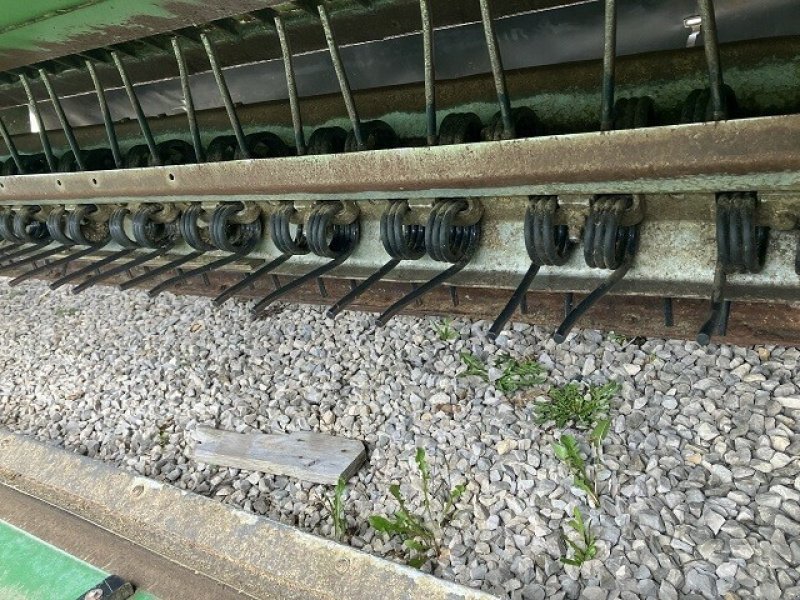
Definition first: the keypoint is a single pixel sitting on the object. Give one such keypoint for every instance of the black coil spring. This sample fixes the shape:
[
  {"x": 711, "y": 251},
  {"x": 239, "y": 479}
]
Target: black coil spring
[
  {"x": 237, "y": 238},
  {"x": 605, "y": 241},
  {"x": 327, "y": 238},
  {"x": 401, "y": 240},
  {"x": 547, "y": 244},
  {"x": 741, "y": 244},
  {"x": 444, "y": 240},
  {"x": 280, "y": 224}
]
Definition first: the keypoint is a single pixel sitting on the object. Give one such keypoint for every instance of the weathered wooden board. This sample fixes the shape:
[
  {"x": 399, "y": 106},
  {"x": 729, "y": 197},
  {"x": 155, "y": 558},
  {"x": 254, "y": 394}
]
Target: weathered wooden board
[{"x": 309, "y": 456}]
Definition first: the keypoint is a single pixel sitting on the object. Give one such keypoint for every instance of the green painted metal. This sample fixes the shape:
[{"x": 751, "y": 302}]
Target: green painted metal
[{"x": 31, "y": 569}]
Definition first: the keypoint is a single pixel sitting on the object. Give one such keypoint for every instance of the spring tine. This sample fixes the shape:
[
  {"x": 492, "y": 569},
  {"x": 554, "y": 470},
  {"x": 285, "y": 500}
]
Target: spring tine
[
  {"x": 669, "y": 320},
  {"x": 32, "y": 258},
  {"x": 139, "y": 260},
  {"x": 137, "y": 107},
  {"x": 62, "y": 119},
  {"x": 262, "y": 304},
  {"x": 291, "y": 86},
  {"x": 34, "y": 106},
  {"x": 341, "y": 75},
  {"x": 609, "y": 66},
  {"x": 106, "y": 112},
  {"x": 12, "y": 147},
  {"x": 160, "y": 270},
  {"x": 496, "y": 61},
  {"x": 249, "y": 279},
  {"x": 417, "y": 293},
  {"x": 576, "y": 313},
  {"x": 569, "y": 302},
  {"x": 513, "y": 303},
  {"x": 711, "y": 47},
  {"x": 226, "y": 96},
  {"x": 724, "y": 318},
  {"x": 718, "y": 302},
  {"x": 24, "y": 251},
  {"x": 188, "y": 100},
  {"x": 430, "y": 70},
  {"x": 56, "y": 263},
  {"x": 8, "y": 248},
  {"x": 186, "y": 275},
  {"x": 355, "y": 292},
  {"x": 78, "y": 273}
]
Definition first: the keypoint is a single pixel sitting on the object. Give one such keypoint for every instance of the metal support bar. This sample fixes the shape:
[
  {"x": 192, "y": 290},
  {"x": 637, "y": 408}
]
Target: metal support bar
[
  {"x": 711, "y": 47},
  {"x": 188, "y": 101},
  {"x": 48, "y": 150},
  {"x": 63, "y": 121},
  {"x": 496, "y": 61},
  {"x": 108, "y": 121},
  {"x": 430, "y": 71},
  {"x": 609, "y": 66},
  {"x": 226, "y": 96},
  {"x": 291, "y": 86},
  {"x": 341, "y": 75},
  {"x": 137, "y": 107},
  {"x": 12, "y": 147}
]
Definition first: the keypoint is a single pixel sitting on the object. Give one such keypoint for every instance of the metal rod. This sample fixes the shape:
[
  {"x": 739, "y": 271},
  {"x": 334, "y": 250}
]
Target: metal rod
[
  {"x": 139, "y": 260},
  {"x": 185, "y": 275},
  {"x": 669, "y": 319},
  {"x": 341, "y": 75},
  {"x": 56, "y": 263},
  {"x": 226, "y": 96},
  {"x": 78, "y": 273},
  {"x": 48, "y": 150},
  {"x": 430, "y": 70},
  {"x": 249, "y": 279},
  {"x": 711, "y": 47},
  {"x": 159, "y": 270},
  {"x": 262, "y": 304},
  {"x": 714, "y": 321},
  {"x": 569, "y": 302},
  {"x": 188, "y": 101},
  {"x": 106, "y": 112},
  {"x": 33, "y": 258},
  {"x": 137, "y": 107},
  {"x": 291, "y": 86},
  {"x": 496, "y": 61},
  {"x": 63, "y": 121},
  {"x": 25, "y": 251},
  {"x": 12, "y": 147},
  {"x": 609, "y": 66},
  {"x": 513, "y": 303},
  {"x": 8, "y": 248},
  {"x": 360, "y": 289},
  {"x": 417, "y": 293}
]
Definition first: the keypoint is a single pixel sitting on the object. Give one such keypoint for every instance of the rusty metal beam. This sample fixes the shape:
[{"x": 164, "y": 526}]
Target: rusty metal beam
[{"x": 752, "y": 154}]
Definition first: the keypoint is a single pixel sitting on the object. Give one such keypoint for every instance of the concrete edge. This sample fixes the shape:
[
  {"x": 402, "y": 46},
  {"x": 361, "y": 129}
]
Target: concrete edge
[{"x": 256, "y": 555}]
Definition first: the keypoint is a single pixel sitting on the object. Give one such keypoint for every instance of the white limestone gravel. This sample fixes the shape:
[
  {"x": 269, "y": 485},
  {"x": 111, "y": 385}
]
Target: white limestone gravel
[{"x": 701, "y": 487}]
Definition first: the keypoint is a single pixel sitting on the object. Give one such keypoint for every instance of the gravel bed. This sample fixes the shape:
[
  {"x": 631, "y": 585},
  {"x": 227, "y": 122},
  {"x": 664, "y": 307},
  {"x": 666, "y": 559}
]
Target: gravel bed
[{"x": 700, "y": 494}]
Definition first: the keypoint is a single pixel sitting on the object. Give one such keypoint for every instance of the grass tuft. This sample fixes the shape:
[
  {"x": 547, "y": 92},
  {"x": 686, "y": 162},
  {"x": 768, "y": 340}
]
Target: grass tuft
[{"x": 576, "y": 404}]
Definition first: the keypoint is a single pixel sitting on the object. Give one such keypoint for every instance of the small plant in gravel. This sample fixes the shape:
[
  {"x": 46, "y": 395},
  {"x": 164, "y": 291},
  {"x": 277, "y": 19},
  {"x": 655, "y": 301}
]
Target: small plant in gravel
[
  {"x": 421, "y": 533},
  {"x": 335, "y": 505},
  {"x": 585, "y": 548},
  {"x": 515, "y": 374},
  {"x": 576, "y": 404},
  {"x": 567, "y": 451},
  {"x": 445, "y": 331}
]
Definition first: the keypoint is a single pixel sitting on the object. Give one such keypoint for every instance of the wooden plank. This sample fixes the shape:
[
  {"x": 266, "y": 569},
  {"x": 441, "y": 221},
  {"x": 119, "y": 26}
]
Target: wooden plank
[{"x": 309, "y": 456}]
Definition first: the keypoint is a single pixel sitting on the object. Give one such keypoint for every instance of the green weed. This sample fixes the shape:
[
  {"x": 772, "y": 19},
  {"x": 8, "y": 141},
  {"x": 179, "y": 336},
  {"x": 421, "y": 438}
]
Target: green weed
[
  {"x": 335, "y": 506},
  {"x": 567, "y": 451},
  {"x": 445, "y": 331},
  {"x": 516, "y": 374},
  {"x": 586, "y": 546},
  {"x": 575, "y": 404}
]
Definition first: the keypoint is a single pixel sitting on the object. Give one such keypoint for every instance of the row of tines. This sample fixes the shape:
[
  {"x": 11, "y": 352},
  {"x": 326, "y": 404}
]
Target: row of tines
[
  {"x": 115, "y": 240},
  {"x": 715, "y": 102}
]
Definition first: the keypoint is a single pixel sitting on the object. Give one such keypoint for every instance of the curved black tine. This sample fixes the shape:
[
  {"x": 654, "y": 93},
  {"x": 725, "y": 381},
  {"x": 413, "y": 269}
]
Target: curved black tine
[
  {"x": 137, "y": 107},
  {"x": 496, "y": 62},
  {"x": 569, "y": 303},
  {"x": 513, "y": 302},
  {"x": 609, "y": 66},
  {"x": 108, "y": 121},
  {"x": 226, "y": 96},
  {"x": 78, "y": 273},
  {"x": 669, "y": 320},
  {"x": 341, "y": 75},
  {"x": 250, "y": 278},
  {"x": 12, "y": 147},
  {"x": 183, "y": 73},
  {"x": 37, "y": 115},
  {"x": 356, "y": 291},
  {"x": 161, "y": 270},
  {"x": 262, "y": 304},
  {"x": 576, "y": 313},
  {"x": 711, "y": 45},
  {"x": 291, "y": 85},
  {"x": 207, "y": 268},
  {"x": 718, "y": 308},
  {"x": 8, "y": 248},
  {"x": 417, "y": 293},
  {"x": 724, "y": 318},
  {"x": 63, "y": 121},
  {"x": 32, "y": 258},
  {"x": 25, "y": 250},
  {"x": 430, "y": 71},
  {"x": 139, "y": 260},
  {"x": 56, "y": 263}
]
